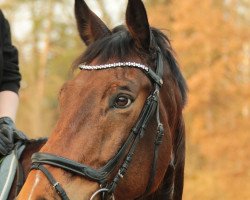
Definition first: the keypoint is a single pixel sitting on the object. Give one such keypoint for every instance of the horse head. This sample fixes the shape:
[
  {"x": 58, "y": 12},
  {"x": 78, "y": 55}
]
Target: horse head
[{"x": 120, "y": 133}]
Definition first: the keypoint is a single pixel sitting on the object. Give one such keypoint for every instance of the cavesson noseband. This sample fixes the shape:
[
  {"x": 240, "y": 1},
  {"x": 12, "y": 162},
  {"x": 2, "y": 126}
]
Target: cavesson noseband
[{"x": 102, "y": 175}]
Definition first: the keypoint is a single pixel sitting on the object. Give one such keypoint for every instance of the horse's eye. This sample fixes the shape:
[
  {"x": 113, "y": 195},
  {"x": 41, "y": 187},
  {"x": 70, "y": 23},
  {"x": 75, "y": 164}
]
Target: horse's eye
[{"x": 122, "y": 101}]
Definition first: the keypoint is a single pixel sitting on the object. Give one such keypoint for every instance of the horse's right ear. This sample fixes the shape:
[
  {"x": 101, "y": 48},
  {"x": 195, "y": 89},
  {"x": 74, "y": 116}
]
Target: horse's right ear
[{"x": 90, "y": 26}]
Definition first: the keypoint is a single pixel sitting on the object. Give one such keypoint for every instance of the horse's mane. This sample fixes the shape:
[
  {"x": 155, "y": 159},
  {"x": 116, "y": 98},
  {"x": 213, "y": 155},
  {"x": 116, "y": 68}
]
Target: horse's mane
[{"x": 119, "y": 45}]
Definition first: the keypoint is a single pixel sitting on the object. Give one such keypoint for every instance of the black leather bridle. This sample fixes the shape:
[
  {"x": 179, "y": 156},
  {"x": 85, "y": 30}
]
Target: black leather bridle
[{"x": 101, "y": 175}]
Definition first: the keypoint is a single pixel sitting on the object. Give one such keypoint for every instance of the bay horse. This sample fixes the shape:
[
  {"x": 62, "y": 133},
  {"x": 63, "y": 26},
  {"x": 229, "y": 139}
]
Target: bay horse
[{"x": 120, "y": 134}]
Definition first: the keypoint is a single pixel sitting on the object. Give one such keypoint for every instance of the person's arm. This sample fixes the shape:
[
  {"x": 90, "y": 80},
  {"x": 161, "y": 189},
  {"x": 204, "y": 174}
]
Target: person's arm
[
  {"x": 9, "y": 87},
  {"x": 8, "y": 104},
  {"x": 10, "y": 80},
  {"x": 11, "y": 77}
]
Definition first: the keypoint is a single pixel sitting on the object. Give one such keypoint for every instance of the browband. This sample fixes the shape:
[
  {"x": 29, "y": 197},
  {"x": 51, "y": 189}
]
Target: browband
[
  {"x": 156, "y": 78},
  {"x": 101, "y": 175}
]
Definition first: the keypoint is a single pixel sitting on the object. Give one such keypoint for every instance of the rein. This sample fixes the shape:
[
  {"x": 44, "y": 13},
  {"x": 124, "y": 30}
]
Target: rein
[{"x": 102, "y": 174}]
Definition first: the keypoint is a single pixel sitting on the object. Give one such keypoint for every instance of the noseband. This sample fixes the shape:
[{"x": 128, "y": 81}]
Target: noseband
[{"x": 102, "y": 174}]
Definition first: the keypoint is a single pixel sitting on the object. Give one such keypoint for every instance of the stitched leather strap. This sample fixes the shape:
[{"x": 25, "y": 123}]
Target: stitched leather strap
[
  {"x": 51, "y": 179},
  {"x": 101, "y": 175}
]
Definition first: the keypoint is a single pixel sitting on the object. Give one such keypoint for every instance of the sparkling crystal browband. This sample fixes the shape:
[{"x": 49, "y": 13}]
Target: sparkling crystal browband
[{"x": 113, "y": 65}]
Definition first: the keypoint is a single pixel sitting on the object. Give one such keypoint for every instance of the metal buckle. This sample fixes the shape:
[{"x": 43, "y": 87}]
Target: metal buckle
[{"x": 56, "y": 184}]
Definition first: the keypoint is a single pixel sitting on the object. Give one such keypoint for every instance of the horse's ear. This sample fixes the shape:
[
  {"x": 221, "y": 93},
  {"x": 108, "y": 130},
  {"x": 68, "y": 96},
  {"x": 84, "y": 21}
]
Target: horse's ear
[
  {"x": 137, "y": 22},
  {"x": 90, "y": 26}
]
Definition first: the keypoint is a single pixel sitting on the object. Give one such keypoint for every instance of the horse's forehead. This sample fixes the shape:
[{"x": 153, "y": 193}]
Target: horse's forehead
[{"x": 109, "y": 77}]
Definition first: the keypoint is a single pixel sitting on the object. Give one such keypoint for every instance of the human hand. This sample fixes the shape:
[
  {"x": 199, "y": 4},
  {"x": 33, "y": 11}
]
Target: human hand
[{"x": 8, "y": 135}]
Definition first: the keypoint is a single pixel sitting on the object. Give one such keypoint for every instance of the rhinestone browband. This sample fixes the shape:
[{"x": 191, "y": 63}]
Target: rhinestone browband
[{"x": 113, "y": 65}]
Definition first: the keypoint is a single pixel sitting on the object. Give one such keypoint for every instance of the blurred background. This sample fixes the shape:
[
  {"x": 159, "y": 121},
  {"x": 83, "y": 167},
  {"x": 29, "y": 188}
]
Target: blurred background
[{"x": 212, "y": 43}]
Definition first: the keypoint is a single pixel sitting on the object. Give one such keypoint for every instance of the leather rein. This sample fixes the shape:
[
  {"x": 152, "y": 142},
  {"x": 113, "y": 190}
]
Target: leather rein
[{"x": 102, "y": 174}]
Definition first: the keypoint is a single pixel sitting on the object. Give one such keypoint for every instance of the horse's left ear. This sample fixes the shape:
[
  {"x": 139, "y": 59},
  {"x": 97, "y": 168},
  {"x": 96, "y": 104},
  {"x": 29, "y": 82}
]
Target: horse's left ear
[
  {"x": 137, "y": 22},
  {"x": 90, "y": 26}
]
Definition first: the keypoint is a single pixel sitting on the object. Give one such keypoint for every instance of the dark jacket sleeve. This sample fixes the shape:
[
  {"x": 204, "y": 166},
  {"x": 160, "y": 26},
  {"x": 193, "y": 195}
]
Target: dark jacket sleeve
[{"x": 11, "y": 76}]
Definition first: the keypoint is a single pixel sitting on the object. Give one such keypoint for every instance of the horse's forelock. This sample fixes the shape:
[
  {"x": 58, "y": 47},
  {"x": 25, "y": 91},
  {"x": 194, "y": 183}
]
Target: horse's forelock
[{"x": 119, "y": 46}]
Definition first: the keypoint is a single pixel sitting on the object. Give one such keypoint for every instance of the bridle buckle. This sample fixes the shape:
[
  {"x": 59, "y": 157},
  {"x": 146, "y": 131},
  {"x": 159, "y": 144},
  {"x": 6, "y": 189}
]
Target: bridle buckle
[{"x": 55, "y": 185}]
